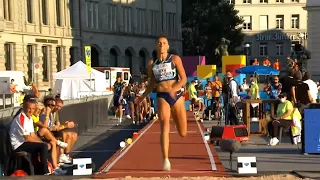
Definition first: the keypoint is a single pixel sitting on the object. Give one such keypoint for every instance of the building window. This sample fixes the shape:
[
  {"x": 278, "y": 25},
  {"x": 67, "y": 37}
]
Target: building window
[
  {"x": 44, "y": 12},
  {"x": 7, "y": 14},
  {"x": 45, "y": 64},
  {"x": 8, "y": 56},
  {"x": 155, "y": 22},
  {"x": 71, "y": 11},
  {"x": 112, "y": 17},
  {"x": 263, "y": 49},
  {"x": 59, "y": 59},
  {"x": 263, "y": 1},
  {"x": 248, "y": 50},
  {"x": 295, "y": 21},
  {"x": 247, "y": 2},
  {"x": 296, "y": 1},
  {"x": 29, "y": 11},
  {"x": 170, "y": 19},
  {"x": 141, "y": 21},
  {"x": 279, "y": 1},
  {"x": 230, "y": 1},
  {"x": 92, "y": 18},
  {"x": 127, "y": 21},
  {"x": 58, "y": 11},
  {"x": 279, "y": 49},
  {"x": 247, "y": 22},
  {"x": 280, "y": 21},
  {"x": 30, "y": 51},
  {"x": 264, "y": 22}
]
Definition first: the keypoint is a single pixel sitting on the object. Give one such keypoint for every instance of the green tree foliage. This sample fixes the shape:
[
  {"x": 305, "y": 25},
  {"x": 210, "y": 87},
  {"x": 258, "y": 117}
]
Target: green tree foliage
[{"x": 205, "y": 22}]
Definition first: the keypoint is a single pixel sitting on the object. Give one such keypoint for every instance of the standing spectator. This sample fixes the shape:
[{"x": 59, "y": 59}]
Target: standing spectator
[
  {"x": 290, "y": 64},
  {"x": 255, "y": 62},
  {"x": 192, "y": 94},
  {"x": 276, "y": 65},
  {"x": 301, "y": 93},
  {"x": 234, "y": 98},
  {"x": 199, "y": 88},
  {"x": 254, "y": 94},
  {"x": 216, "y": 87},
  {"x": 312, "y": 86},
  {"x": 118, "y": 89},
  {"x": 287, "y": 83},
  {"x": 23, "y": 137},
  {"x": 267, "y": 62}
]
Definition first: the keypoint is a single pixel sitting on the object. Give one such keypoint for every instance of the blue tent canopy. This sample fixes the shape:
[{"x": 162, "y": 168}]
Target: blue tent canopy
[{"x": 260, "y": 70}]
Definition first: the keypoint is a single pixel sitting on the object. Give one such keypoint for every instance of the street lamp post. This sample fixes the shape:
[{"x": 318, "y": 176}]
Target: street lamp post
[{"x": 247, "y": 46}]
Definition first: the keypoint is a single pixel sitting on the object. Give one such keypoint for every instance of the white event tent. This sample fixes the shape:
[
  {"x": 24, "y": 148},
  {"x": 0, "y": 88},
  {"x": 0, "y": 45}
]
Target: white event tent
[{"x": 76, "y": 81}]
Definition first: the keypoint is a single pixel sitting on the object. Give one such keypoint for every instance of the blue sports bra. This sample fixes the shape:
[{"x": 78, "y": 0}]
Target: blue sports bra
[{"x": 164, "y": 70}]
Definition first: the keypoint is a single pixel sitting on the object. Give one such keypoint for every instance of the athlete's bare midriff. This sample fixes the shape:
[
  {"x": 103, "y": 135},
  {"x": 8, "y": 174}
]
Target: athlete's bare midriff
[{"x": 165, "y": 86}]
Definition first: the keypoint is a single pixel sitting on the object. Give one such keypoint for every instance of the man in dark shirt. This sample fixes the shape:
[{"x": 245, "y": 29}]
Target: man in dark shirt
[{"x": 287, "y": 84}]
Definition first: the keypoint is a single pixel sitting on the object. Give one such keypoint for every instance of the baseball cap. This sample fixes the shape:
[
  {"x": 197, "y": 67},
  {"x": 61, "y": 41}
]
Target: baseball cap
[{"x": 283, "y": 94}]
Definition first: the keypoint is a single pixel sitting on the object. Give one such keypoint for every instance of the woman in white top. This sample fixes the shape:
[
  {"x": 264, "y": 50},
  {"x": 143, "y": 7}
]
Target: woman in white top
[
  {"x": 244, "y": 86},
  {"x": 142, "y": 108}
]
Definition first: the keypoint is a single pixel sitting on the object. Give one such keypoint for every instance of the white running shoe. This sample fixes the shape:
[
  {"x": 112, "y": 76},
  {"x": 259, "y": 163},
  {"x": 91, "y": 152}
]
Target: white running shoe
[
  {"x": 128, "y": 116},
  {"x": 274, "y": 142},
  {"x": 59, "y": 171},
  {"x": 62, "y": 144},
  {"x": 166, "y": 165},
  {"x": 64, "y": 159},
  {"x": 133, "y": 122}
]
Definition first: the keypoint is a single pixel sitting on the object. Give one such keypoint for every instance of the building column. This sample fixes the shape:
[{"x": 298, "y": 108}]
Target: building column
[
  {"x": 52, "y": 63},
  {"x": 2, "y": 54},
  {"x": 66, "y": 57},
  {"x": 20, "y": 60},
  {"x": 38, "y": 55},
  {"x": 53, "y": 57},
  {"x": 120, "y": 18}
]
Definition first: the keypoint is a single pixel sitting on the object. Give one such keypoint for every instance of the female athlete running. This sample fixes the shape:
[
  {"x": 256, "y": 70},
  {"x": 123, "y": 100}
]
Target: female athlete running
[{"x": 167, "y": 74}]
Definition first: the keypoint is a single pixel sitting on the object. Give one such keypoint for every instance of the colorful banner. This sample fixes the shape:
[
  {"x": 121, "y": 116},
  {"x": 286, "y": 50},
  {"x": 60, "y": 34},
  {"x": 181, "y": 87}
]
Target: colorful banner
[{"x": 87, "y": 51}]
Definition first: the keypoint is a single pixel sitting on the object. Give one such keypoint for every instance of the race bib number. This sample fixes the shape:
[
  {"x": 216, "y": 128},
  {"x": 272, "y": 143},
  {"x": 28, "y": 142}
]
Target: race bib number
[{"x": 163, "y": 72}]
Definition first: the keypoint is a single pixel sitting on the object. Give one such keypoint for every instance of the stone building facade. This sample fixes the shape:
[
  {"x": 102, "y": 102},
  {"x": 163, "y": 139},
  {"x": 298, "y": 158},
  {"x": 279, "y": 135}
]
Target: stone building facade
[
  {"x": 53, "y": 33},
  {"x": 271, "y": 27}
]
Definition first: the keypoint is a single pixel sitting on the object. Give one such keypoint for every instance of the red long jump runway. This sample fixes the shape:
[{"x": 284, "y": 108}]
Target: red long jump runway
[{"x": 190, "y": 156}]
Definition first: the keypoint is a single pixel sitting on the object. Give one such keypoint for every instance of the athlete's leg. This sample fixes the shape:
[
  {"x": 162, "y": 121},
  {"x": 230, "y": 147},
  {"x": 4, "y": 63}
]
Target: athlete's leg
[
  {"x": 145, "y": 109},
  {"x": 131, "y": 106},
  {"x": 164, "y": 118},
  {"x": 179, "y": 115}
]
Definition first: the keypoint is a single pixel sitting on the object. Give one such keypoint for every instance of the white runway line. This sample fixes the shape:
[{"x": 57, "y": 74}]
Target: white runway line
[
  {"x": 213, "y": 164},
  {"x": 109, "y": 166}
]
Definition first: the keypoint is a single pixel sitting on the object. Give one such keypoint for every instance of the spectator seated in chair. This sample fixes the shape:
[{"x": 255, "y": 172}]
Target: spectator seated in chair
[
  {"x": 44, "y": 133},
  {"x": 286, "y": 116},
  {"x": 23, "y": 137},
  {"x": 197, "y": 103},
  {"x": 59, "y": 130}
]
